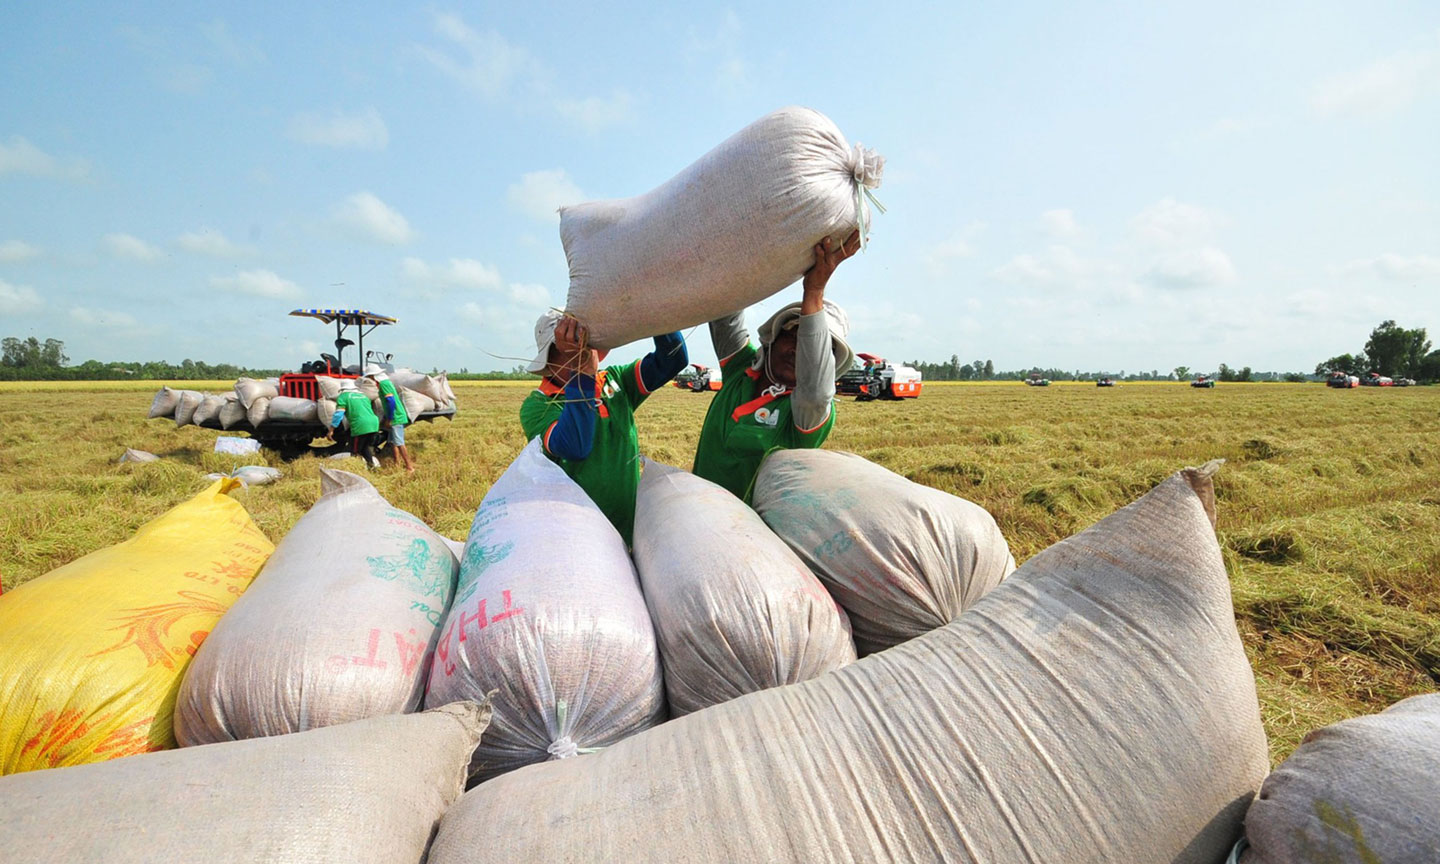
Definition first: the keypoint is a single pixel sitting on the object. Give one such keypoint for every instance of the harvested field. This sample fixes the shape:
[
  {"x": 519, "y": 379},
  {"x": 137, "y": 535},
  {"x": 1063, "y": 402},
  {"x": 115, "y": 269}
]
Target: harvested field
[{"x": 1329, "y": 506}]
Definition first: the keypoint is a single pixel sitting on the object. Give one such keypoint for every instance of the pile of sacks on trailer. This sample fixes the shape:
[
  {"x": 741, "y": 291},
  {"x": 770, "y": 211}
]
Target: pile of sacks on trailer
[
  {"x": 253, "y": 402},
  {"x": 698, "y": 699}
]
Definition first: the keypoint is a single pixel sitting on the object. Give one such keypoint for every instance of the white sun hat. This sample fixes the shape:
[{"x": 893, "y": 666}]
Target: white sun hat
[
  {"x": 544, "y": 338},
  {"x": 835, "y": 319}
]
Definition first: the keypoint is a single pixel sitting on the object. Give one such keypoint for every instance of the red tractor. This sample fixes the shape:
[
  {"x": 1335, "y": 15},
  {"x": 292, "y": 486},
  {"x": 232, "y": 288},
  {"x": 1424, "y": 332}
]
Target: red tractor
[{"x": 877, "y": 378}]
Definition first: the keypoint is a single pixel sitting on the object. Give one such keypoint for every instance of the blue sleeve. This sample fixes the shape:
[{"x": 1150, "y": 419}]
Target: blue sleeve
[
  {"x": 572, "y": 436},
  {"x": 338, "y": 418},
  {"x": 389, "y": 408},
  {"x": 665, "y": 362}
]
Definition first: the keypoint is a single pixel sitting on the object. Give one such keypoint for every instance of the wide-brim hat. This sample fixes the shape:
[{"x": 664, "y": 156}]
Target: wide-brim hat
[
  {"x": 835, "y": 320},
  {"x": 544, "y": 338},
  {"x": 374, "y": 370},
  {"x": 347, "y": 385}
]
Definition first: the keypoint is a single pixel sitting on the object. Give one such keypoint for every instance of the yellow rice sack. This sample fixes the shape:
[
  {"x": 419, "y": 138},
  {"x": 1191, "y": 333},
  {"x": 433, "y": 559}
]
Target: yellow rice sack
[{"x": 92, "y": 653}]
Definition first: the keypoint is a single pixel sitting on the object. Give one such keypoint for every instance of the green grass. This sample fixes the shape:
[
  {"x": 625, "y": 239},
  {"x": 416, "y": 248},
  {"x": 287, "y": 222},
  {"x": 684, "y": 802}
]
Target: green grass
[{"x": 1329, "y": 506}]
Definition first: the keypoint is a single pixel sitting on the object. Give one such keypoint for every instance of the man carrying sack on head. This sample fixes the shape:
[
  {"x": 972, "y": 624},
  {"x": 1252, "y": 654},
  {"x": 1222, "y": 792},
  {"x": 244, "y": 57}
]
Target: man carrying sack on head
[
  {"x": 585, "y": 416},
  {"x": 781, "y": 395},
  {"x": 396, "y": 417}
]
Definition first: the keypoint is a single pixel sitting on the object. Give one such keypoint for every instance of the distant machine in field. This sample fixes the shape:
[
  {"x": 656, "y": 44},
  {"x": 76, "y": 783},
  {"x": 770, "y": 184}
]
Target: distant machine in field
[
  {"x": 698, "y": 378},
  {"x": 1375, "y": 379},
  {"x": 877, "y": 378},
  {"x": 1203, "y": 381},
  {"x": 1107, "y": 381},
  {"x": 1342, "y": 381},
  {"x": 1037, "y": 380}
]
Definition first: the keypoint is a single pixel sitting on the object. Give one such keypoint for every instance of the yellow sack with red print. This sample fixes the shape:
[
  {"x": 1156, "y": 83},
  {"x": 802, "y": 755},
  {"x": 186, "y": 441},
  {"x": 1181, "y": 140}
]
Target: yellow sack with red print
[{"x": 91, "y": 654}]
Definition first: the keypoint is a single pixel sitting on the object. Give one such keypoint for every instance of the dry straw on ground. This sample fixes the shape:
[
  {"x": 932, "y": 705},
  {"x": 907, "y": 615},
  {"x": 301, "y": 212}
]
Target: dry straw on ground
[{"x": 1329, "y": 508}]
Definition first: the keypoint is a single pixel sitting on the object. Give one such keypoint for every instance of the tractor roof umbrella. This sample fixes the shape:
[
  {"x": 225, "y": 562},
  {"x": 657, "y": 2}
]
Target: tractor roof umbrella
[{"x": 364, "y": 322}]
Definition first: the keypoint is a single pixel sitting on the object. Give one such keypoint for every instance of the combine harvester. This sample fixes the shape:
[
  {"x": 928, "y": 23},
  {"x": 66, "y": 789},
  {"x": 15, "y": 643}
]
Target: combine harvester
[
  {"x": 698, "y": 378},
  {"x": 878, "y": 378},
  {"x": 294, "y": 412},
  {"x": 1342, "y": 381}
]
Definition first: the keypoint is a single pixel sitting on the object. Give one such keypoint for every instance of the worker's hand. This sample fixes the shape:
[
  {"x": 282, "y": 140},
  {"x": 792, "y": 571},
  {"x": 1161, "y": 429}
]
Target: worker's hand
[
  {"x": 827, "y": 257},
  {"x": 330, "y": 433},
  {"x": 571, "y": 336}
]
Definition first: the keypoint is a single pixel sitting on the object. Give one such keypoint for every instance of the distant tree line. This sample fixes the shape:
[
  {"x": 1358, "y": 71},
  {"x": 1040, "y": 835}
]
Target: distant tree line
[
  {"x": 984, "y": 370},
  {"x": 1392, "y": 351},
  {"x": 32, "y": 360}
]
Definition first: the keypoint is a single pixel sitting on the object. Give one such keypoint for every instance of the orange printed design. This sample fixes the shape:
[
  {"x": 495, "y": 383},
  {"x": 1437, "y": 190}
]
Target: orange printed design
[
  {"x": 128, "y": 740},
  {"x": 58, "y": 730},
  {"x": 233, "y": 570},
  {"x": 147, "y": 627}
]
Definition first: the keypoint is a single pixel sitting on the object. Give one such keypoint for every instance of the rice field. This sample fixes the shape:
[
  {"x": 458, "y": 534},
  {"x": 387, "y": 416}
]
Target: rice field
[{"x": 1329, "y": 505}]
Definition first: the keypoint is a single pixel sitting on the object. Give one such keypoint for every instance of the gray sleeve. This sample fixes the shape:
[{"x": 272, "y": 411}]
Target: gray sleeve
[
  {"x": 729, "y": 335},
  {"x": 814, "y": 373}
]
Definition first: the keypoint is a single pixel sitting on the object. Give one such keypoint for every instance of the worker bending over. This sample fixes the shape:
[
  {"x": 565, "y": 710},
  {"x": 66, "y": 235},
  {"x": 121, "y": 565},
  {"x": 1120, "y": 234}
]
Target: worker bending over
[
  {"x": 396, "y": 417},
  {"x": 364, "y": 425}
]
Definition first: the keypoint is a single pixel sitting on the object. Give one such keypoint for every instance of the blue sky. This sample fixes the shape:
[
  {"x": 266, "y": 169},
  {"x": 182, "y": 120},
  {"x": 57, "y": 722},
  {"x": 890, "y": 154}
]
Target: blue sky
[{"x": 1096, "y": 186}]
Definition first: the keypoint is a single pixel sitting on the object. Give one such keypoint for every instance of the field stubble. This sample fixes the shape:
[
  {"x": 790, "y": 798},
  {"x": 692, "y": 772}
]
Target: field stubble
[{"x": 1329, "y": 506}]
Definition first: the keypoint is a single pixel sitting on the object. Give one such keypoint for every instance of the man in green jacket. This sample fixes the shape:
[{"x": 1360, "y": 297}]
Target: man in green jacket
[
  {"x": 396, "y": 417},
  {"x": 780, "y": 395},
  {"x": 585, "y": 415},
  {"x": 364, "y": 425}
]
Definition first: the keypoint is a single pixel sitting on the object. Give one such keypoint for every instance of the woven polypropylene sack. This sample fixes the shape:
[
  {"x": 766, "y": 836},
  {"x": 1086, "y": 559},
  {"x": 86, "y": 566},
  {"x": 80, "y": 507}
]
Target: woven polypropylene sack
[
  {"x": 329, "y": 387},
  {"x": 163, "y": 405},
  {"x": 232, "y": 414},
  {"x": 91, "y": 654},
  {"x": 208, "y": 412},
  {"x": 549, "y": 613},
  {"x": 733, "y": 228},
  {"x": 258, "y": 411},
  {"x": 902, "y": 558},
  {"x": 249, "y": 389},
  {"x": 339, "y": 625},
  {"x": 290, "y": 409},
  {"x": 436, "y": 386},
  {"x": 1360, "y": 791},
  {"x": 416, "y": 403},
  {"x": 368, "y": 792},
  {"x": 1096, "y": 707},
  {"x": 186, "y": 406},
  {"x": 735, "y": 610},
  {"x": 325, "y": 412}
]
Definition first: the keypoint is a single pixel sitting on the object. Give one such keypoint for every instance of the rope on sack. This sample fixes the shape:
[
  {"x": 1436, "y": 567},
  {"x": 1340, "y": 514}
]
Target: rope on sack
[
  {"x": 866, "y": 169},
  {"x": 565, "y": 747}
]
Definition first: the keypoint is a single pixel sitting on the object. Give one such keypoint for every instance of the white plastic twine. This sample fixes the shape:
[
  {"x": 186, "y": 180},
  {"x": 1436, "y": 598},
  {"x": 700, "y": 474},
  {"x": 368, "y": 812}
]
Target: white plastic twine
[
  {"x": 866, "y": 170},
  {"x": 562, "y": 748}
]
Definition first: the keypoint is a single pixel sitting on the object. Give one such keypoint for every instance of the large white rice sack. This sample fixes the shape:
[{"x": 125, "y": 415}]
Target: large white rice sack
[
  {"x": 339, "y": 625},
  {"x": 1097, "y": 707},
  {"x": 369, "y": 792},
  {"x": 416, "y": 403},
  {"x": 437, "y": 387},
  {"x": 329, "y": 387},
  {"x": 163, "y": 405},
  {"x": 902, "y": 558},
  {"x": 736, "y": 611},
  {"x": 207, "y": 413},
  {"x": 735, "y": 227},
  {"x": 1360, "y": 791},
  {"x": 325, "y": 412},
  {"x": 186, "y": 406},
  {"x": 231, "y": 414},
  {"x": 250, "y": 389},
  {"x": 549, "y": 613},
  {"x": 258, "y": 411},
  {"x": 293, "y": 410}
]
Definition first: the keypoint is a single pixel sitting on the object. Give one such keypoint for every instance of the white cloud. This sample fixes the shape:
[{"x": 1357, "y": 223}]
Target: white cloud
[
  {"x": 473, "y": 313},
  {"x": 18, "y": 299},
  {"x": 131, "y": 247},
  {"x": 1169, "y": 222},
  {"x": 540, "y": 194},
  {"x": 464, "y": 273},
  {"x": 259, "y": 283},
  {"x": 1059, "y": 265},
  {"x": 91, "y": 317},
  {"x": 1192, "y": 268},
  {"x": 369, "y": 218},
  {"x": 1385, "y": 86},
  {"x": 596, "y": 114},
  {"x": 19, "y": 156},
  {"x": 1059, "y": 223},
  {"x": 529, "y": 293},
  {"x": 365, "y": 130},
  {"x": 484, "y": 62},
  {"x": 211, "y": 243},
  {"x": 960, "y": 244},
  {"x": 15, "y": 251},
  {"x": 720, "y": 49},
  {"x": 239, "y": 51},
  {"x": 1397, "y": 268}
]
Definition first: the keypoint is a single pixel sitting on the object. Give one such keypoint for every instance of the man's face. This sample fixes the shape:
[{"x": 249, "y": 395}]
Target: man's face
[{"x": 782, "y": 358}]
